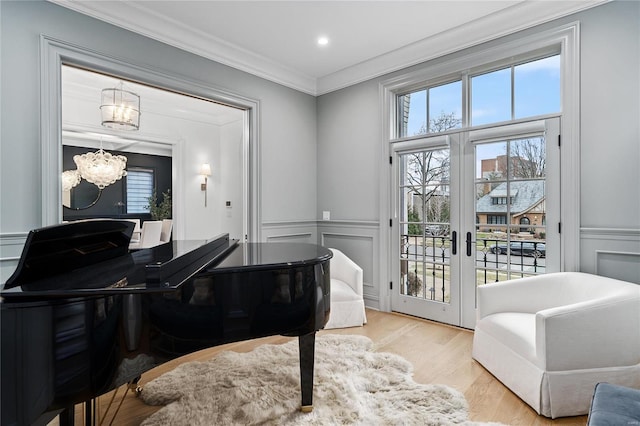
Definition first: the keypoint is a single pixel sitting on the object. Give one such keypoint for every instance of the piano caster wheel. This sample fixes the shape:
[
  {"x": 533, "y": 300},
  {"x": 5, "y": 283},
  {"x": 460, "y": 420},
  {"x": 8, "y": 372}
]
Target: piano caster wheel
[
  {"x": 306, "y": 408},
  {"x": 136, "y": 388}
]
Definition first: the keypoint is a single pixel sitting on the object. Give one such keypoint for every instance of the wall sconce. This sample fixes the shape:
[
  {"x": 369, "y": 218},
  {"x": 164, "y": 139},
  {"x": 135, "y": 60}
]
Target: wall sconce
[{"x": 205, "y": 170}]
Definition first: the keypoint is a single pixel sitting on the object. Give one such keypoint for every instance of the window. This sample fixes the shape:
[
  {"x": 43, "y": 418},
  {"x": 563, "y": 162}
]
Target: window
[
  {"x": 501, "y": 200},
  {"x": 518, "y": 91},
  {"x": 523, "y": 89},
  {"x": 561, "y": 44},
  {"x": 493, "y": 219},
  {"x": 431, "y": 110},
  {"x": 139, "y": 189}
]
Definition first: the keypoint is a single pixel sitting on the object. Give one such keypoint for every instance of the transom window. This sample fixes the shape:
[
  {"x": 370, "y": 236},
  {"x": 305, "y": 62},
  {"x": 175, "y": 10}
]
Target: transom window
[
  {"x": 431, "y": 110},
  {"x": 516, "y": 91}
]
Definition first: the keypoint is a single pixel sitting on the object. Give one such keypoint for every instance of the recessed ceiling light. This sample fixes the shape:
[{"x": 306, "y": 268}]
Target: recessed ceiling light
[{"x": 323, "y": 41}]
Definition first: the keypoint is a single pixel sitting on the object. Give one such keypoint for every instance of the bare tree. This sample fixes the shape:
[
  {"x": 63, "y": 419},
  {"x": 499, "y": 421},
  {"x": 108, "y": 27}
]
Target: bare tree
[
  {"x": 427, "y": 173},
  {"x": 528, "y": 158}
]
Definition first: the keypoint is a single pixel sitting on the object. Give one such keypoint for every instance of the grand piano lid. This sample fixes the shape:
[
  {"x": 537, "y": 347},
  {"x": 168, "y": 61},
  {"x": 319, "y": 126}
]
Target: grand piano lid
[
  {"x": 65, "y": 247},
  {"x": 89, "y": 258}
]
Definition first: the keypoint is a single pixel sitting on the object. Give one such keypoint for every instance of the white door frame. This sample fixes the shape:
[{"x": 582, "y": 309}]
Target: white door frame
[
  {"x": 567, "y": 38},
  {"x": 54, "y": 53},
  {"x": 460, "y": 310}
]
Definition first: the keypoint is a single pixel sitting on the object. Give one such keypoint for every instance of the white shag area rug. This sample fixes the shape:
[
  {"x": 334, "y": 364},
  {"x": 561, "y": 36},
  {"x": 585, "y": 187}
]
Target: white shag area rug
[{"x": 352, "y": 385}]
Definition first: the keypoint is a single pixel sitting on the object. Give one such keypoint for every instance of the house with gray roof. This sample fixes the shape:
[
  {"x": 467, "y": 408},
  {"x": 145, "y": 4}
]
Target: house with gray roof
[{"x": 520, "y": 203}]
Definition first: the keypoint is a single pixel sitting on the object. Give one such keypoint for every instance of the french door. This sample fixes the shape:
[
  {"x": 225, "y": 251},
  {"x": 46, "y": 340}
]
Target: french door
[{"x": 471, "y": 208}]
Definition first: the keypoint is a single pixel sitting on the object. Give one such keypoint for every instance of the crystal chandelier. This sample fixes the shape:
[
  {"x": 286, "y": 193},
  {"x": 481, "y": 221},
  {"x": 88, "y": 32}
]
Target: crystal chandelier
[
  {"x": 101, "y": 168},
  {"x": 70, "y": 179},
  {"x": 120, "y": 108}
]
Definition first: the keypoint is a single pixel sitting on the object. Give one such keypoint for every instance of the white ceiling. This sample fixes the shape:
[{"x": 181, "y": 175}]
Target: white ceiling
[
  {"x": 276, "y": 40},
  {"x": 81, "y": 94},
  {"x": 82, "y": 84}
]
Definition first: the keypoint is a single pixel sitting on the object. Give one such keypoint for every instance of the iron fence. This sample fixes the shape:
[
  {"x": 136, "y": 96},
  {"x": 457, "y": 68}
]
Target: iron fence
[{"x": 427, "y": 258}]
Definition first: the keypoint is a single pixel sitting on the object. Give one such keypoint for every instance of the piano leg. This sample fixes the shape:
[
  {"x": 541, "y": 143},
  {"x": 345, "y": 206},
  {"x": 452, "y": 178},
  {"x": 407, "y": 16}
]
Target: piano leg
[{"x": 306, "y": 345}]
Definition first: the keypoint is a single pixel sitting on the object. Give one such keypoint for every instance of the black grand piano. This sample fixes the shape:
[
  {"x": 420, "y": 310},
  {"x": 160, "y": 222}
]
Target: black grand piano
[{"x": 82, "y": 315}]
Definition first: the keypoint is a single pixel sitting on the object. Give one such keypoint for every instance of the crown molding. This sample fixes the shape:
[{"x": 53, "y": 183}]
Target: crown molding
[
  {"x": 150, "y": 24},
  {"x": 507, "y": 21},
  {"x": 169, "y": 31}
]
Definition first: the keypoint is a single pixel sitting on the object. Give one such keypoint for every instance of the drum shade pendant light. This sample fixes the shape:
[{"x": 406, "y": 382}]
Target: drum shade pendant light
[{"x": 120, "y": 108}]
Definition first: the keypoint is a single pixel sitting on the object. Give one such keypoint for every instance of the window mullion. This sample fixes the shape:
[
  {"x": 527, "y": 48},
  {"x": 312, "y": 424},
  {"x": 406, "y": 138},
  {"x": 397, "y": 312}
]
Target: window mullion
[
  {"x": 466, "y": 100},
  {"x": 428, "y": 113},
  {"x": 513, "y": 93}
]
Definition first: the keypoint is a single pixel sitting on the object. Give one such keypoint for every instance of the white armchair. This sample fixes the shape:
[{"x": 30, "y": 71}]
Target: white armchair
[
  {"x": 347, "y": 302},
  {"x": 552, "y": 338}
]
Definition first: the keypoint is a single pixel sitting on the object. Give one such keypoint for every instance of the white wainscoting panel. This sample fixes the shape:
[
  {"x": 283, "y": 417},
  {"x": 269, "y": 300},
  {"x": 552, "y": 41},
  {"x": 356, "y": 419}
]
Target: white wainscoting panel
[
  {"x": 617, "y": 264},
  {"x": 10, "y": 250},
  {"x": 613, "y": 253},
  {"x": 360, "y": 242},
  {"x": 293, "y": 231}
]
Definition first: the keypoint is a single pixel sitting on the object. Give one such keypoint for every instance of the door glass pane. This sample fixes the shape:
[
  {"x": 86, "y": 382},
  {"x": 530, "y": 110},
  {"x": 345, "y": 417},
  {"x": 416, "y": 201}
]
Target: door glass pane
[
  {"x": 528, "y": 158},
  {"x": 510, "y": 209},
  {"x": 425, "y": 225},
  {"x": 537, "y": 87},
  {"x": 491, "y": 97}
]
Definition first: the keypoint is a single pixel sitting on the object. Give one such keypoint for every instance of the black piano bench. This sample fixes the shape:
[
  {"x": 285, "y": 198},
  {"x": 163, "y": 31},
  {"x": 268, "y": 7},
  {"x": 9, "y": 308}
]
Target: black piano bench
[{"x": 614, "y": 405}]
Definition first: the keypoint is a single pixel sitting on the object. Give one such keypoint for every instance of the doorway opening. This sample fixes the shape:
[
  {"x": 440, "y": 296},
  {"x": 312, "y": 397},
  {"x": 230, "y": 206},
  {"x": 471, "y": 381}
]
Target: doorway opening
[{"x": 188, "y": 146}]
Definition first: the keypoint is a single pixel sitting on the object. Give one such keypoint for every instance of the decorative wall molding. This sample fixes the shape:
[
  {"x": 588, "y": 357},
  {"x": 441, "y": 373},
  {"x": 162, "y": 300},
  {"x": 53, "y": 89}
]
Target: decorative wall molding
[
  {"x": 288, "y": 223},
  {"x": 350, "y": 223},
  {"x": 301, "y": 237},
  {"x": 610, "y": 233},
  {"x": 301, "y": 231},
  {"x": 142, "y": 19},
  {"x": 11, "y": 244},
  {"x": 344, "y": 239},
  {"x": 356, "y": 238},
  {"x": 360, "y": 241},
  {"x": 618, "y": 264},
  {"x": 611, "y": 252}
]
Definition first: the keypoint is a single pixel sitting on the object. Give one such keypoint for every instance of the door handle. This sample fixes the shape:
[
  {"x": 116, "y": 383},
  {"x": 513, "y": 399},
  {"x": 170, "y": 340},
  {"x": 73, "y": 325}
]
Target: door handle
[
  {"x": 469, "y": 243},
  {"x": 454, "y": 243}
]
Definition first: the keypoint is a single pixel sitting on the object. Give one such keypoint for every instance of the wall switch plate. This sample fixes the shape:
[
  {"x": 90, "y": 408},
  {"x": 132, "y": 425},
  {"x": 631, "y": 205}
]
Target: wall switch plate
[{"x": 326, "y": 215}]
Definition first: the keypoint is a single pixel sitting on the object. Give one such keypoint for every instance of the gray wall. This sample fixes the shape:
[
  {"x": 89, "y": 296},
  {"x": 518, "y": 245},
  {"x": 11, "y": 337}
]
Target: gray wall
[
  {"x": 326, "y": 157},
  {"x": 350, "y": 138},
  {"x": 610, "y": 144},
  {"x": 287, "y": 120}
]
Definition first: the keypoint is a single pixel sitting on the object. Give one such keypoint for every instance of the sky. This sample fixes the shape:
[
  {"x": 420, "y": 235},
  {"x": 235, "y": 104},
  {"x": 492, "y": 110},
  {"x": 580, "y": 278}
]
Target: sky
[{"x": 536, "y": 92}]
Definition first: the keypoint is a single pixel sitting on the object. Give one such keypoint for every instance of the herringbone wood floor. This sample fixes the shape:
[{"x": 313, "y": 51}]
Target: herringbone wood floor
[{"x": 439, "y": 354}]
